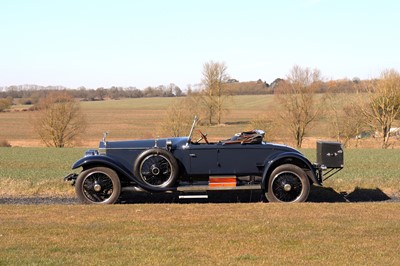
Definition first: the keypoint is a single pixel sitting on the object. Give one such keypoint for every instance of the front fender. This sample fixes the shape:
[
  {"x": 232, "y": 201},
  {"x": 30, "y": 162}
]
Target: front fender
[
  {"x": 290, "y": 158},
  {"x": 98, "y": 159},
  {"x": 101, "y": 160}
]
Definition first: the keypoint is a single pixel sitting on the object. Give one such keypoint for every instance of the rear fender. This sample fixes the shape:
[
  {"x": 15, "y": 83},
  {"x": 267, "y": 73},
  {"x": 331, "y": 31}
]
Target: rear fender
[{"x": 288, "y": 158}]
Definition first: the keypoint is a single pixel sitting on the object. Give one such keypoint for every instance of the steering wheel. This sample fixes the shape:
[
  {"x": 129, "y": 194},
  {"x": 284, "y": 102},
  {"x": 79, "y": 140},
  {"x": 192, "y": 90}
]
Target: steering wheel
[{"x": 203, "y": 136}]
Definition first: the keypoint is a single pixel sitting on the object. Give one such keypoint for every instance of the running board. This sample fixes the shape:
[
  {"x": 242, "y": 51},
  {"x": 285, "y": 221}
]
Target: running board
[
  {"x": 208, "y": 188},
  {"x": 197, "y": 188}
]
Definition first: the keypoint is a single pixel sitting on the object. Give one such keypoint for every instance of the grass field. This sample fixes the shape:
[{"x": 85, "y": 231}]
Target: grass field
[
  {"x": 142, "y": 118},
  {"x": 35, "y": 171},
  {"x": 188, "y": 234},
  {"x": 201, "y": 234}
]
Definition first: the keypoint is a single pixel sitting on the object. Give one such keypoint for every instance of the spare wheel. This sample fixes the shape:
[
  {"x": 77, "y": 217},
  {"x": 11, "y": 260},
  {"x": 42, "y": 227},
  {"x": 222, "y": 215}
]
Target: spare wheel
[{"x": 157, "y": 168}]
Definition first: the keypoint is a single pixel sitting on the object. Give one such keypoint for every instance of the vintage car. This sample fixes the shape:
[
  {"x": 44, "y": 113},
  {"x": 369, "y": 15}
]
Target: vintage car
[{"x": 187, "y": 166}]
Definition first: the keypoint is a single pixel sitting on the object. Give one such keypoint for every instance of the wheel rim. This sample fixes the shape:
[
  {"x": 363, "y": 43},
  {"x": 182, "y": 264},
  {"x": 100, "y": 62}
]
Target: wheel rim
[
  {"x": 287, "y": 186},
  {"x": 97, "y": 187},
  {"x": 155, "y": 170}
]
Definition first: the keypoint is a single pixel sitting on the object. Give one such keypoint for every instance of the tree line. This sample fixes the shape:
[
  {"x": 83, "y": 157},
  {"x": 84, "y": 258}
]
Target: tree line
[{"x": 30, "y": 94}]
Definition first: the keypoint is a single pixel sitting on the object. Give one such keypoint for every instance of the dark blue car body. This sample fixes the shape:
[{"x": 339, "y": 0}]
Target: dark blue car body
[{"x": 181, "y": 164}]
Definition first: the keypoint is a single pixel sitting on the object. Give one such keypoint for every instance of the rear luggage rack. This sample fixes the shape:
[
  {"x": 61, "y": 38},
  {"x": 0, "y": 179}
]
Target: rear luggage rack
[{"x": 330, "y": 172}]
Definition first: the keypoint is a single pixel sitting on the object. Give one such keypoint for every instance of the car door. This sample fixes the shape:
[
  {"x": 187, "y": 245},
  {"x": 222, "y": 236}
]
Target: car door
[
  {"x": 240, "y": 159},
  {"x": 203, "y": 159}
]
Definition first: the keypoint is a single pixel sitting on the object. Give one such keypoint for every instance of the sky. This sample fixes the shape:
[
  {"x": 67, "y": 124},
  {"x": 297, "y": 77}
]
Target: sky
[{"x": 98, "y": 43}]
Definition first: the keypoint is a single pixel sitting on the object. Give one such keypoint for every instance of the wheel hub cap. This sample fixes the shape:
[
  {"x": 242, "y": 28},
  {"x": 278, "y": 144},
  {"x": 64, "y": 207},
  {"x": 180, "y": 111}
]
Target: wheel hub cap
[
  {"x": 97, "y": 187},
  {"x": 155, "y": 170},
  {"x": 287, "y": 187}
]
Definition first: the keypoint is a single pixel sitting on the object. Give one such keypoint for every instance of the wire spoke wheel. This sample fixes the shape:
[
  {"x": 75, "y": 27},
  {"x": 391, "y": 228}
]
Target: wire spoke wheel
[
  {"x": 287, "y": 187},
  {"x": 288, "y": 183},
  {"x": 98, "y": 185},
  {"x": 155, "y": 170}
]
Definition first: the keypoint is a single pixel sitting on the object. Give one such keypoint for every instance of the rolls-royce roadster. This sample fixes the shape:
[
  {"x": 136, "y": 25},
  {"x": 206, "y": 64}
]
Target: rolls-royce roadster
[{"x": 187, "y": 166}]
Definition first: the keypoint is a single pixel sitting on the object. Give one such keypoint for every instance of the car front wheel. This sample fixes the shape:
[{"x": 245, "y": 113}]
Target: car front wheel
[
  {"x": 288, "y": 183},
  {"x": 98, "y": 185}
]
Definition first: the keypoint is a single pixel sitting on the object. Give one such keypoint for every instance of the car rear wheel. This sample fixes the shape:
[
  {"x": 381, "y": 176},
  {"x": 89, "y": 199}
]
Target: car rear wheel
[
  {"x": 98, "y": 185},
  {"x": 288, "y": 183},
  {"x": 157, "y": 168}
]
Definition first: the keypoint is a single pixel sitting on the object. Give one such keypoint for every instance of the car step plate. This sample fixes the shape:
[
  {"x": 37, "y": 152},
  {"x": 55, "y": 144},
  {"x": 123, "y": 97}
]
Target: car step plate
[{"x": 222, "y": 181}]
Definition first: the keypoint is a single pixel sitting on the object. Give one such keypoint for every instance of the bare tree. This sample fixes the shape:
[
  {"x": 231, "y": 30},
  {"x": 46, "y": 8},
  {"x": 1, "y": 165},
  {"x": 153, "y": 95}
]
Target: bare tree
[
  {"x": 345, "y": 119},
  {"x": 101, "y": 93},
  {"x": 297, "y": 98},
  {"x": 5, "y": 103},
  {"x": 352, "y": 124},
  {"x": 214, "y": 94},
  {"x": 59, "y": 120},
  {"x": 383, "y": 103},
  {"x": 263, "y": 122},
  {"x": 179, "y": 116}
]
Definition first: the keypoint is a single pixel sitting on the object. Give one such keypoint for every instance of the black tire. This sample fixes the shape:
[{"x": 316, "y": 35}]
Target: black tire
[
  {"x": 157, "y": 168},
  {"x": 98, "y": 185},
  {"x": 288, "y": 183}
]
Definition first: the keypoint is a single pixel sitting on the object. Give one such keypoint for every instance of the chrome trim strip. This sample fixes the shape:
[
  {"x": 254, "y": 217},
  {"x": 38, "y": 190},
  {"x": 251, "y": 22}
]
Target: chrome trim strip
[{"x": 136, "y": 148}]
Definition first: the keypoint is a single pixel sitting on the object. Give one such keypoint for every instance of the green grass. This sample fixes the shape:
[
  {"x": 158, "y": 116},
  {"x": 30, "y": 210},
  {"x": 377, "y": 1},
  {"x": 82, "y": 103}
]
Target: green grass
[
  {"x": 39, "y": 171},
  {"x": 201, "y": 234},
  {"x": 35, "y": 171},
  {"x": 196, "y": 234},
  {"x": 188, "y": 234},
  {"x": 366, "y": 168}
]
